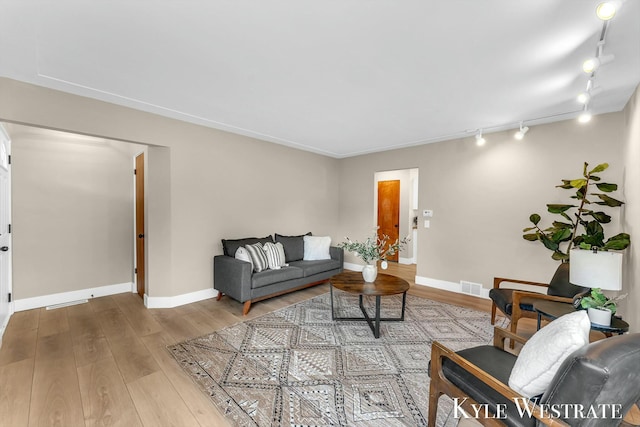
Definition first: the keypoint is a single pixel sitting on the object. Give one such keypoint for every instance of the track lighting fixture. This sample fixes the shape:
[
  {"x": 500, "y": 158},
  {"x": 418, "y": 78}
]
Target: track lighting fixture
[
  {"x": 607, "y": 10},
  {"x": 519, "y": 135},
  {"x": 479, "y": 139}
]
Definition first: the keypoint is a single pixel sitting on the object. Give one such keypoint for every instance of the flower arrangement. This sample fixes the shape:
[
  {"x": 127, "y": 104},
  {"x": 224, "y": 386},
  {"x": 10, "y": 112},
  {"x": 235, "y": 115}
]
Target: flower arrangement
[{"x": 375, "y": 248}]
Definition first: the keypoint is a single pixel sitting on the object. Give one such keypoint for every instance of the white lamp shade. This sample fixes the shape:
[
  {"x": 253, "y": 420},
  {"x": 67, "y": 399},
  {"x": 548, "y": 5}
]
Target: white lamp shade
[{"x": 602, "y": 269}]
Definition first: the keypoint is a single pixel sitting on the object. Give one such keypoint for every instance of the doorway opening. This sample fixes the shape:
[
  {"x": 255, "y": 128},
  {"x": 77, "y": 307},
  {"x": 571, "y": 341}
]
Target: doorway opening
[{"x": 396, "y": 209}]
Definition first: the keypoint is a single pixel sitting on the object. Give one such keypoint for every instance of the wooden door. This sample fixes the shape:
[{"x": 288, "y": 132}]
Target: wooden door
[
  {"x": 140, "y": 256},
  {"x": 389, "y": 211}
]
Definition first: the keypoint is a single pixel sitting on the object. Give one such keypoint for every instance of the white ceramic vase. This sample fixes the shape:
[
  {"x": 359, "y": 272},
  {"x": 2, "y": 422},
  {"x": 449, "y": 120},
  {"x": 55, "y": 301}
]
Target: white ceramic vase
[
  {"x": 369, "y": 273},
  {"x": 599, "y": 316}
]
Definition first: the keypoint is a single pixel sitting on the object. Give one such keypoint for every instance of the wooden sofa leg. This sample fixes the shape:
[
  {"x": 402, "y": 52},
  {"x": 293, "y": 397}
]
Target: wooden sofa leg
[
  {"x": 219, "y": 297},
  {"x": 246, "y": 308}
]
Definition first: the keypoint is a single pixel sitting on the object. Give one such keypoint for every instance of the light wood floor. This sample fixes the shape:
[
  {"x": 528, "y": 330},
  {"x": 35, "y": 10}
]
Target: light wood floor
[{"x": 105, "y": 363}]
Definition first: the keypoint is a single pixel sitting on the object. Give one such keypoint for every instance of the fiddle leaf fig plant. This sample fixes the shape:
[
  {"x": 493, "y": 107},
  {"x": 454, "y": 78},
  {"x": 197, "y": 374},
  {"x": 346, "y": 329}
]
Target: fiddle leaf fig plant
[{"x": 580, "y": 223}]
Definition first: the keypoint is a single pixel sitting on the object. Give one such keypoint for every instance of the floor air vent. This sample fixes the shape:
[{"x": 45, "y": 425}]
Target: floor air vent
[
  {"x": 67, "y": 304},
  {"x": 471, "y": 288}
]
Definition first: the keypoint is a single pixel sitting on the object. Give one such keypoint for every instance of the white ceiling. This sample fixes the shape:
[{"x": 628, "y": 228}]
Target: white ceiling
[{"x": 337, "y": 77}]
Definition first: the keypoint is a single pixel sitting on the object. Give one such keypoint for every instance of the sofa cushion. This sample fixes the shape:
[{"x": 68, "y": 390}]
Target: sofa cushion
[
  {"x": 293, "y": 246},
  {"x": 269, "y": 277},
  {"x": 316, "y": 248},
  {"x": 230, "y": 246},
  {"x": 258, "y": 257},
  {"x": 314, "y": 267}
]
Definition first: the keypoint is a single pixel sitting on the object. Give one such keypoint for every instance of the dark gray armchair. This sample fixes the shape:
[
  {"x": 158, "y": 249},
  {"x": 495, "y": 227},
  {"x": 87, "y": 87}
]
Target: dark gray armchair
[
  {"x": 603, "y": 373},
  {"x": 516, "y": 304}
]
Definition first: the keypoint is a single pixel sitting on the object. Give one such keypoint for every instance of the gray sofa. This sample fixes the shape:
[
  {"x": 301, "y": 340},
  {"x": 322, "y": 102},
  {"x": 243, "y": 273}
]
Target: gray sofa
[{"x": 236, "y": 278}]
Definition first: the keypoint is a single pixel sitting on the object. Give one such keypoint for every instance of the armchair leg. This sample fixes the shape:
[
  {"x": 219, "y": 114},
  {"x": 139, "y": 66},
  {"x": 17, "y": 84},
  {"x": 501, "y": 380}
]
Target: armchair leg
[
  {"x": 433, "y": 406},
  {"x": 219, "y": 297},
  {"x": 493, "y": 313}
]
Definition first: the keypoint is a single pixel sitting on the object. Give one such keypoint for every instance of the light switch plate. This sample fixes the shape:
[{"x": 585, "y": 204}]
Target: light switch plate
[
  {"x": 427, "y": 213},
  {"x": 427, "y": 223}
]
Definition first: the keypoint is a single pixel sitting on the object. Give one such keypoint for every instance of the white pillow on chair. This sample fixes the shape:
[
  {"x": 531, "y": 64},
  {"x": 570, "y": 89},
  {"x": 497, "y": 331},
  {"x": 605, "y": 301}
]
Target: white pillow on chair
[{"x": 542, "y": 355}]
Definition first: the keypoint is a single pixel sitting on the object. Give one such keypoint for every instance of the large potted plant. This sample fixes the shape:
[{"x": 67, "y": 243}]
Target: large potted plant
[
  {"x": 375, "y": 248},
  {"x": 580, "y": 224},
  {"x": 581, "y": 228}
]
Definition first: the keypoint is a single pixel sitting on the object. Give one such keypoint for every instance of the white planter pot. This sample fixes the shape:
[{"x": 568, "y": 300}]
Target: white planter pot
[
  {"x": 369, "y": 273},
  {"x": 600, "y": 316}
]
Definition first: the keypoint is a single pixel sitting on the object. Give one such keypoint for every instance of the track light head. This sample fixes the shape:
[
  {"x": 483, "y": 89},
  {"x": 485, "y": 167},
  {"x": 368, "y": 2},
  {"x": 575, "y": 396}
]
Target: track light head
[
  {"x": 585, "y": 97},
  {"x": 607, "y": 10},
  {"x": 585, "y": 116},
  {"x": 480, "y": 141},
  {"x": 519, "y": 135},
  {"x": 592, "y": 64}
]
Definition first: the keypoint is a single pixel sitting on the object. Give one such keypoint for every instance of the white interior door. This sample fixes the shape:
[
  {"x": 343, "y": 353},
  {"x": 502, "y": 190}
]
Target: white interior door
[{"x": 5, "y": 230}]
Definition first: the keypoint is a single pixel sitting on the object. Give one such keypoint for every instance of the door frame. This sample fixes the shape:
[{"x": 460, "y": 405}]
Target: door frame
[
  {"x": 5, "y": 139},
  {"x": 409, "y": 178},
  {"x": 134, "y": 288}
]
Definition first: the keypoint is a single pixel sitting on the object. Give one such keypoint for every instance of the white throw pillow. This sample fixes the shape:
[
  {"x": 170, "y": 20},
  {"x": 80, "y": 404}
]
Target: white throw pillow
[
  {"x": 542, "y": 355},
  {"x": 258, "y": 257},
  {"x": 275, "y": 255},
  {"x": 316, "y": 248},
  {"x": 281, "y": 254},
  {"x": 243, "y": 255}
]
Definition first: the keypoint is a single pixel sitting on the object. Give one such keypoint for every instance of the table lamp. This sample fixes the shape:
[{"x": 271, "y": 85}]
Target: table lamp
[{"x": 596, "y": 269}]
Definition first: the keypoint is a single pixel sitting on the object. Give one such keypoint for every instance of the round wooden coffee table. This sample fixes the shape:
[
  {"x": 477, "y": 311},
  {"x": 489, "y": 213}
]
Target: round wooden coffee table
[{"x": 384, "y": 285}]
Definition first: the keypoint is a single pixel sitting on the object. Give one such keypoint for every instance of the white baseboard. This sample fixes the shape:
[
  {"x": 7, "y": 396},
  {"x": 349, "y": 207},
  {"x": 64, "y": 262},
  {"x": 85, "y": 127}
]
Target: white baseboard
[
  {"x": 352, "y": 267},
  {"x": 448, "y": 286},
  {"x": 66, "y": 297},
  {"x": 359, "y": 267},
  {"x": 175, "y": 301}
]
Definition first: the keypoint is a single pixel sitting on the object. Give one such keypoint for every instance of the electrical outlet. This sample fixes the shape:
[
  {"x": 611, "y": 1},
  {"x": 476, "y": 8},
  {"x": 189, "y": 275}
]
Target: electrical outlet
[{"x": 427, "y": 213}]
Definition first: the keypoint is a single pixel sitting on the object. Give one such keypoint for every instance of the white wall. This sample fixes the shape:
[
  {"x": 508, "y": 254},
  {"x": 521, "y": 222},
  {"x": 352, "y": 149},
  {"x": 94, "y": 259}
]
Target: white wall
[
  {"x": 631, "y": 213},
  {"x": 482, "y": 196},
  {"x": 72, "y": 212},
  {"x": 203, "y": 184}
]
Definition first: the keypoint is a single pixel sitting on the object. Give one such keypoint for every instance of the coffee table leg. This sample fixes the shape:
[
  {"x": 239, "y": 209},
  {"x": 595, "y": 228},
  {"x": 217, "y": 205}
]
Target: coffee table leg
[
  {"x": 333, "y": 316},
  {"x": 376, "y": 332}
]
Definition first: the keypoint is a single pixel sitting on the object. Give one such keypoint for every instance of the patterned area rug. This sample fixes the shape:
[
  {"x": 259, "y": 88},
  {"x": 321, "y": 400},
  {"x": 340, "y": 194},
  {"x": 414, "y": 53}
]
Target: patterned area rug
[{"x": 297, "y": 367}]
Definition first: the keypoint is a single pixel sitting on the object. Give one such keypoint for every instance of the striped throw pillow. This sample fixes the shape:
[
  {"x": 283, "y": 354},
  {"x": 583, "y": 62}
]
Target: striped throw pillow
[
  {"x": 275, "y": 255},
  {"x": 258, "y": 257}
]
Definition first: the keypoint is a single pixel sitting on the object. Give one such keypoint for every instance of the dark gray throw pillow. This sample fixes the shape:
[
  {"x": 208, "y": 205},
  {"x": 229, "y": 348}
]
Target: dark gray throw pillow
[
  {"x": 293, "y": 246},
  {"x": 230, "y": 246}
]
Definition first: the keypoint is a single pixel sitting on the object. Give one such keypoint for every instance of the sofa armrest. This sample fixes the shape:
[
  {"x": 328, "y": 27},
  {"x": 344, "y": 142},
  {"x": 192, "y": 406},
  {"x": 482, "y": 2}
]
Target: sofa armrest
[
  {"x": 337, "y": 254},
  {"x": 232, "y": 277}
]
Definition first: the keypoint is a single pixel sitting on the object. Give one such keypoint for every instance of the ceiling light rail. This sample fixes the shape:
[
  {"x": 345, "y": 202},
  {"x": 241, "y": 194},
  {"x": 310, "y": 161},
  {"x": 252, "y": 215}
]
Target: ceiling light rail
[{"x": 605, "y": 11}]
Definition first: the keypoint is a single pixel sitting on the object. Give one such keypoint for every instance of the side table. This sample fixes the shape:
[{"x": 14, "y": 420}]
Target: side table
[{"x": 554, "y": 309}]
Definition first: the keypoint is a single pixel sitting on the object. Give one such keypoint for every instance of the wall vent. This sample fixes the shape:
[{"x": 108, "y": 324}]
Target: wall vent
[{"x": 471, "y": 288}]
